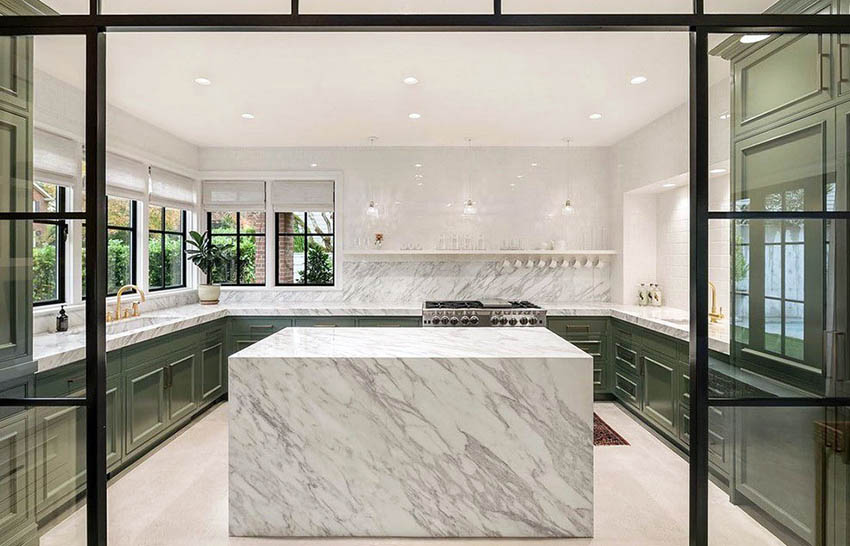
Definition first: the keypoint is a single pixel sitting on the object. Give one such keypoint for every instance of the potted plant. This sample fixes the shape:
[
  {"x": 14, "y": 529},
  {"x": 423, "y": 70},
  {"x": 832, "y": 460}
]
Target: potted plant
[{"x": 207, "y": 256}]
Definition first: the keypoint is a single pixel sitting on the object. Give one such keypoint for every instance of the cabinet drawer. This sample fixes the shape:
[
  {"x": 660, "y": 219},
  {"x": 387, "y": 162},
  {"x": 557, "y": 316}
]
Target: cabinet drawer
[
  {"x": 259, "y": 326},
  {"x": 579, "y": 326},
  {"x": 389, "y": 322},
  {"x": 625, "y": 358},
  {"x": 626, "y": 389},
  {"x": 598, "y": 378},
  {"x": 161, "y": 347},
  {"x": 325, "y": 322},
  {"x": 66, "y": 379},
  {"x": 662, "y": 345},
  {"x": 593, "y": 347}
]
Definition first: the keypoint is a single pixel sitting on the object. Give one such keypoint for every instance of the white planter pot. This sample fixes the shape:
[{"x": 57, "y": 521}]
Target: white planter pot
[{"x": 209, "y": 293}]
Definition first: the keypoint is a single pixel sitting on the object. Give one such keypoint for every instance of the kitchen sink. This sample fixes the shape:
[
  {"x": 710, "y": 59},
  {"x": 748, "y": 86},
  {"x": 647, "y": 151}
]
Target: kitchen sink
[{"x": 136, "y": 323}]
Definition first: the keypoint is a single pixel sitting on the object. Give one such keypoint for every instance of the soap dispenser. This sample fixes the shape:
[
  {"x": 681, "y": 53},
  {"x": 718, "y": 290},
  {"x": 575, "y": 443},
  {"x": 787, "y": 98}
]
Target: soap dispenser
[
  {"x": 62, "y": 320},
  {"x": 643, "y": 295}
]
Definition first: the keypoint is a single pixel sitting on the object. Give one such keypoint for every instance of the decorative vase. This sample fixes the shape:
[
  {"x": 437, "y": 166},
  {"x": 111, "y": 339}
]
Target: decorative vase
[{"x": 209, "y": 293}]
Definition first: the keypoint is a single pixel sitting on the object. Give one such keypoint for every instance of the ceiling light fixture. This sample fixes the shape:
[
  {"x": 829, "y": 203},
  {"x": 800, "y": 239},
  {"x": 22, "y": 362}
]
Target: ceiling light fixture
[
  {"x": 372, "y": 209},
  {"x": 534, "y": 164},
  {"x": 520, "y": 176},
  {"x": 469, "y": 208},
  {"x": 637, "y": 80},
  {"x": 410, "y": 80},
  {"x": 567, "y": 209},
  {"x": 717, "y": 171},
  {"x": 668, "y": 185},
  {"x": 414, "y": 115},
  {"x": 418, "y": 165},
  {"x": 203, "y": 81},
  {"x": 595, "y": 116},
  {"x": 247, "y": 115},
  {"x": 725, "y": 116},
  {"x": 314, "y": 165},
  {"x": 753, "y": 38}
]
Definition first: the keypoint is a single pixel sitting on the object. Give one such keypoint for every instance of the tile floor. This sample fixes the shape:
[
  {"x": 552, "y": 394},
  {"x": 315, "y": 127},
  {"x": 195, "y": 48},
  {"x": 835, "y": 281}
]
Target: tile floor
[{"x": 177, "y": 496}]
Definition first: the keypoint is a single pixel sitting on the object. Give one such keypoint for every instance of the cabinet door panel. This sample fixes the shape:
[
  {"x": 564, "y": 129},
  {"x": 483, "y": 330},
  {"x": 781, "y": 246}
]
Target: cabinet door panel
[
  {"x": 15, "y": 183},
  {"x": 60, "y": 456},
  {"x": 659, "y": 392},
  {"x": 626, "y": 389},
  {"x": 14, "y": 474},
  {"x": 212, "y": 371},
  {"x": 787, "y": 75},
  {"x": 114, "y": 422},
  {"x": 325, "y": 322},
  {"x": 146, "y": 412},
  {"x": 15, "y": 71},
  {"x": 181, "y": 388}
]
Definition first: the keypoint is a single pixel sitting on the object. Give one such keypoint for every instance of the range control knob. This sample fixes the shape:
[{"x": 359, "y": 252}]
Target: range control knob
[
  {"x": 523, "y": 320},
  {"x": 444, "y": 320},
  {"x": 494, "y": 320},
  {"x": 473, "y": 319},
  {"x": 453, "y": 321},
  {"x": 512, "y": 321},
  {"x": 532, "y": 321},
  {"x": 503, "y": 320},
  {"x": 464, "y": 320}
]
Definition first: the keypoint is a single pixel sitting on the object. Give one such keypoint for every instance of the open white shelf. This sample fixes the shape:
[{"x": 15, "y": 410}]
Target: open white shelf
[{"x": 373, "y": 252}]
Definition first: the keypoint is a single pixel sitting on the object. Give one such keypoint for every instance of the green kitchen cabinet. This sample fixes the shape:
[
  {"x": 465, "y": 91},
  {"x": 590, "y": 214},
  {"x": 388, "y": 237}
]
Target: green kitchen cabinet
[
  {"x": 16, "y": 72},
  {"x": 180, "y": 386},
  {"x": 212, "y": 359},
  {"x": 591, "y": 335},
  {"x": 17, "y": 509},
  {"x": 787, "y": 76},
  {"x": 245, "y": 331},
  {"x": 146, "y": 406},
  {"x": 325, "y": 322},
  {"x": 659, "y": 379}
]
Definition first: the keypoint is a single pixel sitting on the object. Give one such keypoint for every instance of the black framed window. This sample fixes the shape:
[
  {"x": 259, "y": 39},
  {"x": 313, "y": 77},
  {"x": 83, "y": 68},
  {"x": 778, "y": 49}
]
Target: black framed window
[
  {"x": 305, "y": 248},
  {"x": 166, "y": 248},
  {"x": 121, "y": 254},
  {"x": 49, "y": 239},
  {"x": 242, "y": 238}
]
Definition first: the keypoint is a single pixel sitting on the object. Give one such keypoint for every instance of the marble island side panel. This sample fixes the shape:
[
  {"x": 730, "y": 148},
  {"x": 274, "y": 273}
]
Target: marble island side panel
[{"x": 455, "y": 444}]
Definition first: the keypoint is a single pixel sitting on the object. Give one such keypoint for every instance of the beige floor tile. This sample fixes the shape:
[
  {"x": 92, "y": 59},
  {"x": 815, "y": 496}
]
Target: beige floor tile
[{"x": 177, "y": 496}]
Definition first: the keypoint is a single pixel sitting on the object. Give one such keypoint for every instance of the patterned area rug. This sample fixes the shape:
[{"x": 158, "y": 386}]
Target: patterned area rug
[{"x": 604, "y": 435}]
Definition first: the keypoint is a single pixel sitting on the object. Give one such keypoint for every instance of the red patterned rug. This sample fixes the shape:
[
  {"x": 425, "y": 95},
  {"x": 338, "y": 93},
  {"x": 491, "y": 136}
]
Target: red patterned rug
[{"x": 604, "y": 435}]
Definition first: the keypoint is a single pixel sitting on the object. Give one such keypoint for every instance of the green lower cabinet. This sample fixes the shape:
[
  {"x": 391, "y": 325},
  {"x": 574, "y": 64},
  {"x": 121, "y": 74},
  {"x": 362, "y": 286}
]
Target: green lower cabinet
[
  {"x": 213, "y": 376},
  {"x": 60, "y": 456},
  {"x": 389, "y": 322},
  {"x": 180, "y": 387},
  {"x": 144, "y": 388},
  {"x": 17, "y": 521},
  {"x": 627, "y": 389},
  {"x": 591, "y": 335},
  {"x": 659, "y": 391},
  {"x": 325, "y": 322}
]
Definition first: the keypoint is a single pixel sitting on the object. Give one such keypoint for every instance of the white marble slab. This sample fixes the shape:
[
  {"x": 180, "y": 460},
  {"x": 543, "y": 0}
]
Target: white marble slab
[{"x": 411, "y": 432}]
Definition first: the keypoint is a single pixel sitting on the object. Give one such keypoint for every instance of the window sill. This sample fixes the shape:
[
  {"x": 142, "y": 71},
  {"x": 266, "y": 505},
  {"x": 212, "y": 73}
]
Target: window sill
[{"x": 51, "y": 310}]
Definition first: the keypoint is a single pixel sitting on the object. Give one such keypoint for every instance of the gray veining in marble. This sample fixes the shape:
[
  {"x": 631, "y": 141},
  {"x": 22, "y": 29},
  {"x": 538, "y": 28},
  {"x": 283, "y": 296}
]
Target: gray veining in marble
[{"x": 425, "y": 436}]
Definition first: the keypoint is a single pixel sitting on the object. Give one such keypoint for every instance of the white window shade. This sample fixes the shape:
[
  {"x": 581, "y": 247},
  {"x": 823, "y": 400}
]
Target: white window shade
[
  {"x": 302, "y": 195},
  {"x": 56, "y": 156},
  {"x": 126, "y": 177},
  {"x": 169, "y": 189},
  {"x": 234, "y": 194}
]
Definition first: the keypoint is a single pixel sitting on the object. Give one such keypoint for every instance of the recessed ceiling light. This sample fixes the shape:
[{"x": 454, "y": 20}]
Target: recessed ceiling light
[
  {"x": 753, "y": 38},
  {"x": 725, "y": 115},
  {"x": 637, "y": 80},
  {"x": 448, "y": 204},
  {"x": 717, "y": 171},
  {"x": 419, "y": 183},
  {"x": 418, "y": 177},
  {"x": 247, "y": 115},
  {"x": 534, "y": 164},
  {"x": 314, "y": 164},
  {"x": 414, "y": 115},
  {"x": 418, "y": 165},
  {"x": 595, "y": 115},
  {"x": 520, "y": 175},
  {"x": 668, "y": 185},
  {"x": 202, "y": 81},
  {"x": 512, "y": 184},
  {"x": 410, "y": 80}
]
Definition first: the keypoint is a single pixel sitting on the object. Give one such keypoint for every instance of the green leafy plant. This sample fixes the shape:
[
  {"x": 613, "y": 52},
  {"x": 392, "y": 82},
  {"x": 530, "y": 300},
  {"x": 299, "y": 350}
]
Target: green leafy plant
[
  {"x": 320, "y": 269},
  {"x": 204, "y": 254}
]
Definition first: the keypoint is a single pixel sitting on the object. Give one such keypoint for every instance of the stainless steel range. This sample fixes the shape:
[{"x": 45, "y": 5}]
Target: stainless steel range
[{"x": 485, "y": 312}]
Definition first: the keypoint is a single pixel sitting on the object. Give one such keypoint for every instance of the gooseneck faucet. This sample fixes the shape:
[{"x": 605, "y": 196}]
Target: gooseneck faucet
[
  {"x": 714, "y": 314},
  {"x": 127, "y": 313}
]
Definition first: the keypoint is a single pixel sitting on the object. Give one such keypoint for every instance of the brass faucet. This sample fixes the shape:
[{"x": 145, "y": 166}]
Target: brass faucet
[
  {"x": 127, "y": 312},
  {"x": 714, "y": 315}
]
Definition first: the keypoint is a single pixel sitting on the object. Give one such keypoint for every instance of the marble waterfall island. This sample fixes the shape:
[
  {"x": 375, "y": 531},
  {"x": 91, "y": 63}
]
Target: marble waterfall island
[{"x": 411, "y": 432}]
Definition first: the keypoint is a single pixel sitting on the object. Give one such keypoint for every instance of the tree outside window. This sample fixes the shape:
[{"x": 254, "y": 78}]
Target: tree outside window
[
  {"x": 166, "y": 248},
  {"x": 241, "y": 237},
  {"x": 305, "y": 248},
  {"x": 120, "y": 239},
  {"x": 48, "y": 245}
]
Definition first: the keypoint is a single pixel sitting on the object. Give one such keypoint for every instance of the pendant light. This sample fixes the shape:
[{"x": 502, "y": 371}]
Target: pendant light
[
  {"x": 567, "y": 209},
  {"x": 469, "y": 208},
  {"x": 372, "y": 209}
]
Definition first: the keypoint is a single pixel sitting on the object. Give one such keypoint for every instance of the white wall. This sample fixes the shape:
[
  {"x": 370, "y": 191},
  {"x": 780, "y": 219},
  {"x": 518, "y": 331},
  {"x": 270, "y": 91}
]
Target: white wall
[
  {"x": 639, "y": 244},
  {"x": 410, "y": 213}
]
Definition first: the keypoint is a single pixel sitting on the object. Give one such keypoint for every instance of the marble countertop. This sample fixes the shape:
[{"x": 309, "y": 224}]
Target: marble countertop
[
  {"x": 349, "y": 343},
  {"x": 52, "y": 350}
]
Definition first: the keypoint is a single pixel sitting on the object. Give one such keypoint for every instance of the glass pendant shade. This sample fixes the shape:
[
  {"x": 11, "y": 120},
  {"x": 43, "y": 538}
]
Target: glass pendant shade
[
  {"x": 372, "y": 210},
  {"x": 568, "y": 208},
  {"x": 469, "y": 208}
]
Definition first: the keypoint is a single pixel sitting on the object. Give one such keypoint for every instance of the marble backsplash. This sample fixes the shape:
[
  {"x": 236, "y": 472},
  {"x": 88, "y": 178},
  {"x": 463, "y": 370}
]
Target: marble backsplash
[{"x": 406, "y": 282}]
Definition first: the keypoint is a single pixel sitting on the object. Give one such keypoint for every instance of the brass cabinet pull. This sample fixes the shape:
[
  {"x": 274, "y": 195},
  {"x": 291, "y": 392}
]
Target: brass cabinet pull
[
  {"x": 263, "y": 326},
  {"x": 841, "y": 48},
  {"x": 324, "y": 326}
]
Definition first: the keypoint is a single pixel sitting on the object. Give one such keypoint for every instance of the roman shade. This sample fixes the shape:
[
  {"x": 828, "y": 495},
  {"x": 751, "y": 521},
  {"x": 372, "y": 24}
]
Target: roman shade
[
  {"x": 234, "y": 195},
  {"x": 126, "y": 177},
  {"x": 170, "y": 189},
  {"x": 302, "y": 195},
  {"x": 56, "y": 157}
]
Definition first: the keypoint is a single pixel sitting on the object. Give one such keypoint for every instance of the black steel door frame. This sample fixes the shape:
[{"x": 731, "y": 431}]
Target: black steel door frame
[{"x": 699, "y": 25}]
